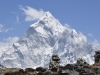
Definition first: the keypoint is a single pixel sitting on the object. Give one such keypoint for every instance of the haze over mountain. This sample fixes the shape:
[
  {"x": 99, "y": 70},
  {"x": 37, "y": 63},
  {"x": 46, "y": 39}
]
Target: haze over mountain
[{"x": 44, "y": 38}]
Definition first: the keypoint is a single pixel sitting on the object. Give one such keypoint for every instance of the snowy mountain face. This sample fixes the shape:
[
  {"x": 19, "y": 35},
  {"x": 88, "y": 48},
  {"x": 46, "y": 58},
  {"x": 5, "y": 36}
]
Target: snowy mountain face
[{"x": 44, "y": 38}]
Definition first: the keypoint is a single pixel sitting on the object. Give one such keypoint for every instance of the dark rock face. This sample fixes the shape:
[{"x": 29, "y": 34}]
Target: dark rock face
[
  {"x": 97, "y": 72},
  {"x": 69, "y": 72},
  {"x": 0, "y": 71},
  {"x": 47, "y": 72},
  {"x": 97, "y": 57}
]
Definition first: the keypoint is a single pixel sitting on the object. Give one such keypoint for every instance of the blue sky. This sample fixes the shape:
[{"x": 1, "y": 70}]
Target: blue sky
[{"x": 82, "y": 15}]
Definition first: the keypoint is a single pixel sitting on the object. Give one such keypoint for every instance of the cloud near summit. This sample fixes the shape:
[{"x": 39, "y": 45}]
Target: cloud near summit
[{"x": 32, "y": 13}]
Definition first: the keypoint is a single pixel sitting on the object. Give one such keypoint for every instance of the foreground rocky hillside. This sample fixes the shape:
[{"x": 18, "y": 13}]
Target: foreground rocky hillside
[{"x": 81, "y": 67}]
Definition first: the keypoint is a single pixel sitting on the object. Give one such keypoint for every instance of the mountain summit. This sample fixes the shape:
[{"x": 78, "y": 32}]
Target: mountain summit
[{"x": 44, "y": 38}]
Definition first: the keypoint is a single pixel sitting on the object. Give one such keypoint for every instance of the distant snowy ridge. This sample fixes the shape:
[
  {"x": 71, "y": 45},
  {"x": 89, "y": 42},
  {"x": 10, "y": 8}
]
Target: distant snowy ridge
[{"x": 44, "y": 38}]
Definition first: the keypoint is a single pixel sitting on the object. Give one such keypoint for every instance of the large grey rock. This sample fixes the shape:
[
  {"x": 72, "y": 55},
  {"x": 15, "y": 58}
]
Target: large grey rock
[{"x": 54, "y": 61}]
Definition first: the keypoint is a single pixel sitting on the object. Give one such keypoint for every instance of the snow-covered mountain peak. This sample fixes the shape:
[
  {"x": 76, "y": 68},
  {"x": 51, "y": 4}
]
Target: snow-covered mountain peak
[
  {"x": 44, "y": 38},
  {"x": 47, "y": 19},
  {"x": 47, "y": 15},
  {"x": 48, "y": 22}
]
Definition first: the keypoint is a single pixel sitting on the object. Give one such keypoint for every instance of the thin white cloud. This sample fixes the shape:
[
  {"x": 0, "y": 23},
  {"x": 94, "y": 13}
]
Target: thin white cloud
[
  {"x": 80, "y": 34},
  {"x": 17, "y": 19},
  {"x": 11, "y": 39},
  {"x": 32, "y": 13},
  {"x": 13, "y": 12},
  {"x": 83, "y": 36},
  {"x": 91, "y": 35},
  {"x": 2, "y": 29},
  {"x": 6, "y": 30},
  {"x": 96, "y": 45},
  {"x": 7, "y": 42},
  {"x": 67, "y": 25},
  {"x": 78, "y": 40}
]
